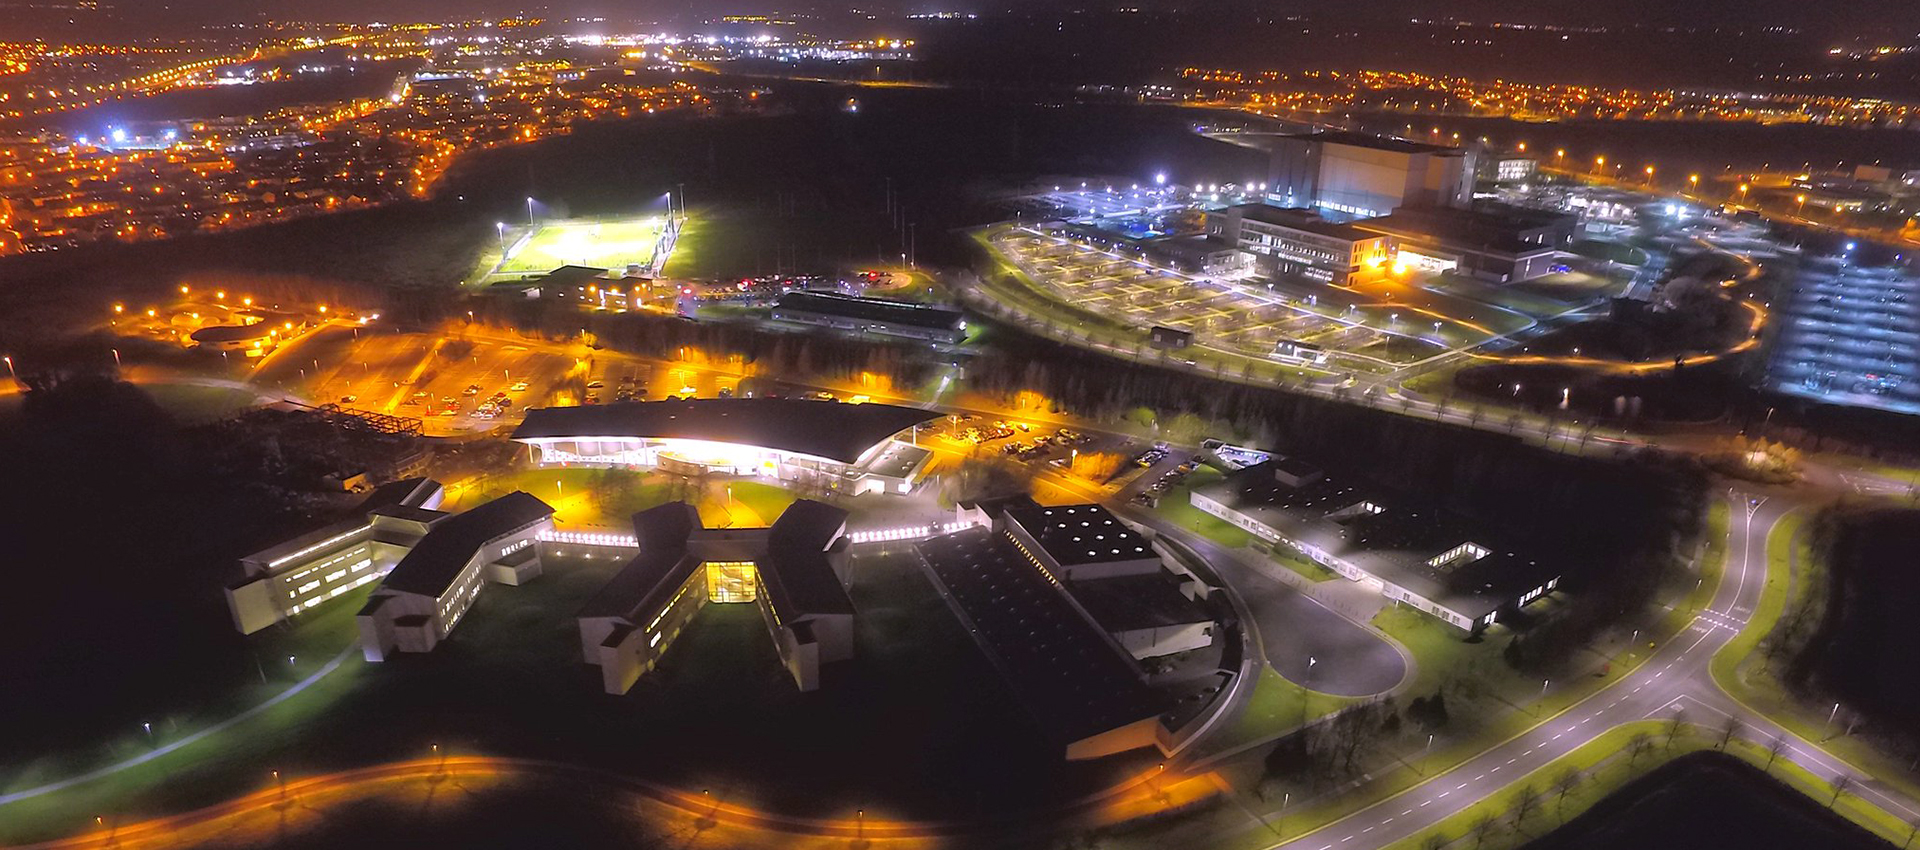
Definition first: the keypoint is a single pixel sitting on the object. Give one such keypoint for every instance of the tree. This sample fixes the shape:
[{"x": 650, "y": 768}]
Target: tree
[
  {"x": 1435, "y": 840},
  {"x": 1564, "y": 784},
  {"x": 1674, "y": 725},
  {"x": 1640, "y": 744},
  {"x": 1525, "y": 801},
  {"x": 1841, "y": 784},
  {"x": 1483, "y": 828},
  {"x": 1727, "y": 731},
  {"x": 1774, "y": 749}
]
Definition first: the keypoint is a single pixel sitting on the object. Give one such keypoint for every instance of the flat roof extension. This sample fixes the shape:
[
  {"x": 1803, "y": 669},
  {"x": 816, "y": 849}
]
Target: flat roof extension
[{"x": 1081, "y": 534}]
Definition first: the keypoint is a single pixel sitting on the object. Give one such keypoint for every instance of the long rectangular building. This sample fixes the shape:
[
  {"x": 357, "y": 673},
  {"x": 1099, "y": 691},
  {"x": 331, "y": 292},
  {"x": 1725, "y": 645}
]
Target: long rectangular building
[
  {"x": 296, "y": 576},
  {"x": 882, "y": 316},
  {"x": 1299, "y": 242},
  {"x": 1420, "y": 558},
  {"x": 435, "y": 584},
  {"x": 1066, "y": 600}
]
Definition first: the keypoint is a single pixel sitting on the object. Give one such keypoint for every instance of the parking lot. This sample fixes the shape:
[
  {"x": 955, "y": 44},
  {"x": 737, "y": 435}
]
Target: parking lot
[
  {"x": 456, "y": 382},
  {"x": 1250, "y": 319}
]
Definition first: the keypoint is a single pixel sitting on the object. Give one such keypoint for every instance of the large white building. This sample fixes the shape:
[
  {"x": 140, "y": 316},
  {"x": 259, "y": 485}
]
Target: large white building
[
  {"x": 1361, "y": 176},
  {"x": 1300, "y": 242},
  {"x": 310, "y": 570},
  {"x": 850, "y": 448},
  {"x": 426, "y": 594}
]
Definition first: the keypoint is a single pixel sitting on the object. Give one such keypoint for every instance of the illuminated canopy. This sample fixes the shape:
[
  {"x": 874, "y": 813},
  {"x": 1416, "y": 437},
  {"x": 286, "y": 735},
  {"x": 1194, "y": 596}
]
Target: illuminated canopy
[{"x": 823, "y": 429}]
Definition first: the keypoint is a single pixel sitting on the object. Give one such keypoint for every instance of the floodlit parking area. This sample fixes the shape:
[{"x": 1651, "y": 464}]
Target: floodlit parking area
[
  {"x": 1251, "y": 319},
  {"x": 1851, "y": 336},
  {"x": 468, "y": 384}
]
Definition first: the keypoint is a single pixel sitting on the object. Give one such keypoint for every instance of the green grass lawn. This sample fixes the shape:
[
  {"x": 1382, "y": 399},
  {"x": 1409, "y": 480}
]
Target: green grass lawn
[
  {"x": 192, "y": 402},
  {"x": 607, "y": 244},
  {"x": 918, "y": 714},
  {"x": 1274, "y": 707}
]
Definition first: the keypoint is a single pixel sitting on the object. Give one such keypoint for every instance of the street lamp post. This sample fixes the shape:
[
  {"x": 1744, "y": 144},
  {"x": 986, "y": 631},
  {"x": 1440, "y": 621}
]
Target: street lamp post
[{"x": 529, "y": 211}]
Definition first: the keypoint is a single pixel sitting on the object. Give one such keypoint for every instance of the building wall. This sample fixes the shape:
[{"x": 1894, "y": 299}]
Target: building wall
[{"x": 1165, "y": 640}]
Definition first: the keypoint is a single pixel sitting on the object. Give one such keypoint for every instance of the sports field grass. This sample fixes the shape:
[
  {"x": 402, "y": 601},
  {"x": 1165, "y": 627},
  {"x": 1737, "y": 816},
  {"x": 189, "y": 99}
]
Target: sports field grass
[{"x": 610, "y": 244}]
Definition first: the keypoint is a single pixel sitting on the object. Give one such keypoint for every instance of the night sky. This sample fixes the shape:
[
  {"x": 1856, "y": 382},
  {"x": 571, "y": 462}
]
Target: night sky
[{"x": 1863, "y": 16}]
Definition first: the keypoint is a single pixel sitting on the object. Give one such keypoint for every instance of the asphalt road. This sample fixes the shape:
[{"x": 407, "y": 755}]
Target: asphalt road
[{"x": 1676, "y": 678}]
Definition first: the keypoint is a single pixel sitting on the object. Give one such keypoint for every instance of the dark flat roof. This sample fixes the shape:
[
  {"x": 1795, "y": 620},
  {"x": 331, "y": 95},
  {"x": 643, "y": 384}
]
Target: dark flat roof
[
  {"x": 1365, "y": 140},
  {"x": 1126, "y": 603},
  {"x": 233, "y": 333},
  {"x": 1394, "y": 544},
  {"x": 411, "y": 492},
  {"x": 662, "y": 531},
  {"x": 1081, "y": 534},
  {"x": 872, "y": 309},
  {"x": 1071, "y": 678},
  {"x": 826, "y": 429},
  {"x": 795, "y": 568},
  {"x": 571, "y": 275},
  {"x": 436, "y": 560},
  {"x": 1303, "y": 220}
]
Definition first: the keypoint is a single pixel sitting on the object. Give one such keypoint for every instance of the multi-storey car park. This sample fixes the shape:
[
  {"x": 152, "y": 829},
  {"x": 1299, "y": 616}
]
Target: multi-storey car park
[
  {"x": 1420, "y": 558},
  {"x": 1850, "y": 335},
  {"x": 848, "y": 448}
]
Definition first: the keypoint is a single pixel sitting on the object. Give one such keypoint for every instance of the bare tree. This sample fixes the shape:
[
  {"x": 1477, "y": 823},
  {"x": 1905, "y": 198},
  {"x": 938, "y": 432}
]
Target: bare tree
[
  {"x": 1841, "y": 784},
  {"x": 1484, "y": 826},
  {"x": 1525, "y": 802},
  {"x": 1564, "y": 784},
  {"x": 1674, "y": 724},
  {"x": 1911, "y": 832},
  {"x": 1774, "y": 749},
  {"x": 1727, "y": 731},
  {"x": 1438, "y": 840},
  {"x": 1638, "y": 745}
]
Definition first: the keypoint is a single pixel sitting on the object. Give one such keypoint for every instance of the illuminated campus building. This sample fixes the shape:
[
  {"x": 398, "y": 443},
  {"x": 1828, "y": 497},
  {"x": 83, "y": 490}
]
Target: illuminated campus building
[
  {"x": 1066, "y": 601},
  {"x": 1419, "y": 558},
  {"x": 284, "y": 580},
  {"x": 794, "y": 571},
  {"x": 432, "y": 587},
  {"x": 1361, "y": 176},
  {"x": 849, "y": 448},
  {"x": 1300, "y": 242}
]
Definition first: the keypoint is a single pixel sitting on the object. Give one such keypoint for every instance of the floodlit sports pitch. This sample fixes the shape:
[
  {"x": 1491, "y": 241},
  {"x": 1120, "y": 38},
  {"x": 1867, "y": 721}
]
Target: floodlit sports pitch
[{"x": 608, "y": 244}]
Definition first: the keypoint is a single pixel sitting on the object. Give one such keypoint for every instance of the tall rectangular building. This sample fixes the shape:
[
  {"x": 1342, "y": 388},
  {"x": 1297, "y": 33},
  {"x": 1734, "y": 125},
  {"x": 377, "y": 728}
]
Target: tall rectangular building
[{"x": 1362, "y": 176}]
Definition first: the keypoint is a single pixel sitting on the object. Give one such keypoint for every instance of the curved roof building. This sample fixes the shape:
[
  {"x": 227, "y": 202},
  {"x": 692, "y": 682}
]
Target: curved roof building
[{"x": 846, "y": 446}]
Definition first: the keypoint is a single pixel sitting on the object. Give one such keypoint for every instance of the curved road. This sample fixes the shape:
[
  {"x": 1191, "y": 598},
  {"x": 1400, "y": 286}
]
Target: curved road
[{"x": 1675, "y": 678}]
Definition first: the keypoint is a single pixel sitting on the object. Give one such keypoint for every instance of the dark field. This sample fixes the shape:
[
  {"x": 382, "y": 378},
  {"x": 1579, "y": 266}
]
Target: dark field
[
  {"x": 1865, "y": 648},
  {"x": 1707, "y": 800}
]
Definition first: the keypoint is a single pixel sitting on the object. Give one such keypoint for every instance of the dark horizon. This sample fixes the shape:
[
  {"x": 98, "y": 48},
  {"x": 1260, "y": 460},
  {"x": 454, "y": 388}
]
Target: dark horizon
[{"x": 1891, "y": 18}]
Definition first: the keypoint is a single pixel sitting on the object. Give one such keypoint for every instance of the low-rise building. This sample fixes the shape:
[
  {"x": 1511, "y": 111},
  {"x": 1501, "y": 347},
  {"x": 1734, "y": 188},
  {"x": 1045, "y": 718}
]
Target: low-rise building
[
  {"x": 433, "y": 586},
  {"x": 1421, "y": 558},
  {"x": 1502, "y": 244},
  {"x": 882, "y": 316},
  {"x": 794, "y": 570},
  {"x": 1287, "y": 241},
  {"x": 1066, "y": 601},
  {"x": 300, "y": 574}
]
